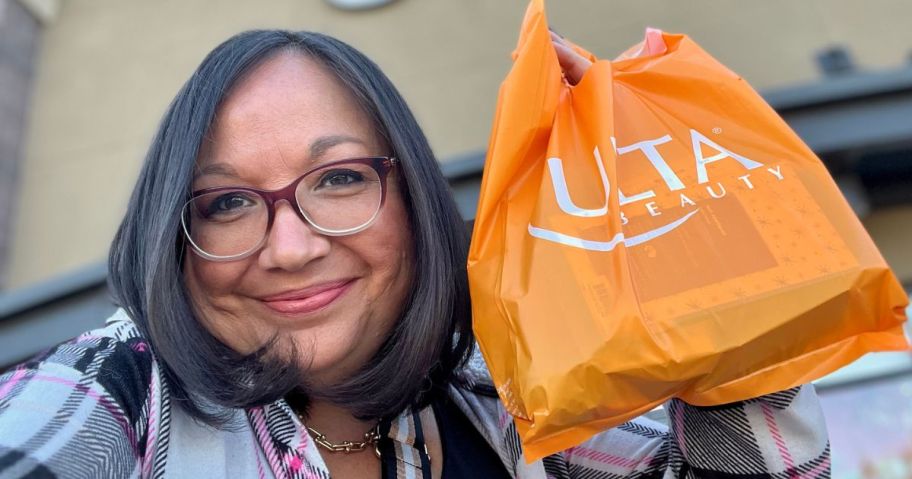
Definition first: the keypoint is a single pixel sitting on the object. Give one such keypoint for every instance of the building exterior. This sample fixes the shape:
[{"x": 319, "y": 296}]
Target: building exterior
[
  {"x": 19, "y": 34},
  {"x": 105, "y": 71}
]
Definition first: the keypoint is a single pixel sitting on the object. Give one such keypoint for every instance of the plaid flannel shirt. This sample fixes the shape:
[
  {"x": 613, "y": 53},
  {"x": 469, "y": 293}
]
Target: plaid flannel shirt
[{"x": 98, "y": 406}]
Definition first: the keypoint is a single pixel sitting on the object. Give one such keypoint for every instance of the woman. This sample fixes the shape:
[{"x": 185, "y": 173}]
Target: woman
[{"x": 291, "y": 256}]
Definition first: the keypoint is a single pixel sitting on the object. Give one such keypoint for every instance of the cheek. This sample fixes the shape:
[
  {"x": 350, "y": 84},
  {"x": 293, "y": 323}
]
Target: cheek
[
  {"x": 393, "y": 254},
  {"x": 392, "y": 237},
  {"x": 210, "y": 286},
  {"x": 208, "y": 280}
]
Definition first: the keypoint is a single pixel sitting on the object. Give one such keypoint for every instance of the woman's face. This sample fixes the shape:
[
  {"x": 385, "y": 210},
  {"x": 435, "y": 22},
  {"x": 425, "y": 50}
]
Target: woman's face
[{"x": 336, "y": 298}]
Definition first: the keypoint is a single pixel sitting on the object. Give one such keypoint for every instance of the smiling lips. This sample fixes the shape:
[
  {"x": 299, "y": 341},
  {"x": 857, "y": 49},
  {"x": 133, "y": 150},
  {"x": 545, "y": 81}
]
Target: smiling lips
[{"x": 306, "y": 300}]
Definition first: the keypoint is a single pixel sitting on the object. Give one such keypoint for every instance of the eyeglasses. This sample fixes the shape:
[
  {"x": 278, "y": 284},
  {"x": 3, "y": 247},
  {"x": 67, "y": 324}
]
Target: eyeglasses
[{"x": 336, "y": 199}]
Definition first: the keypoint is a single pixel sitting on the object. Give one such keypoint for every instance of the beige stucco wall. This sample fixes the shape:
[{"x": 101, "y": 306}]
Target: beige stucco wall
[
  {"x": 892, "y": 231},
  {"x": 108, "y": 69}
]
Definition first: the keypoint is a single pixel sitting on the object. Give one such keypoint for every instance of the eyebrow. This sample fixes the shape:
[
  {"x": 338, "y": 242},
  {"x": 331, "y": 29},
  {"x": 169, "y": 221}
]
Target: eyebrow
[
  {"x": 317, "y": 149},
  {"x": 222, "y": 169}
]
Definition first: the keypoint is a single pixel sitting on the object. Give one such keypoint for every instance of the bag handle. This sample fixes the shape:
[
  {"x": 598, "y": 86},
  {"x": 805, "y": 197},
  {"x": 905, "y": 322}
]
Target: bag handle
[
  {"x": 653, "y": 44},
  {"x": 535, "y": 29},
  {"x": 536, "y": 33}
]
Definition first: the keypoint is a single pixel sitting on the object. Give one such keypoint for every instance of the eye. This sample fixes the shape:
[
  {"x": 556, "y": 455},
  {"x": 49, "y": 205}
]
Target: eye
[
  {"x": 336, "y": 178},
  {"x": 229, "y": 203}
]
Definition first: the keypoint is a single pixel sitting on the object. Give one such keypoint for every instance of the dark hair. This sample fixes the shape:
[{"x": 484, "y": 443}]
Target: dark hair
[{"x": 432, "y": 337}]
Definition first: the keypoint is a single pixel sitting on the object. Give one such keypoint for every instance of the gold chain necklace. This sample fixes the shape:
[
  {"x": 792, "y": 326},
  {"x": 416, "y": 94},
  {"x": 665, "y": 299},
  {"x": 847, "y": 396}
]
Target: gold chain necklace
[{"x": 371, "y": 437}]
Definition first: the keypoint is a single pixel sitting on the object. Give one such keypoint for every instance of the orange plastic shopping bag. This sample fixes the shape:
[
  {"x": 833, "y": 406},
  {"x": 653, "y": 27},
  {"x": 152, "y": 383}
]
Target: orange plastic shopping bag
[{"x": 657, "y": 231}]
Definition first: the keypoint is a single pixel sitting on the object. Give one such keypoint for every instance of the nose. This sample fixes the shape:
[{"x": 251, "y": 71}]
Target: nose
[{"x": 291, "y": 243}]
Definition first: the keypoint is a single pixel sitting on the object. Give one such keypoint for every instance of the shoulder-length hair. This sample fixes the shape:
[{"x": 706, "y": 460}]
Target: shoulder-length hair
[{"x": 433, "y": 336}]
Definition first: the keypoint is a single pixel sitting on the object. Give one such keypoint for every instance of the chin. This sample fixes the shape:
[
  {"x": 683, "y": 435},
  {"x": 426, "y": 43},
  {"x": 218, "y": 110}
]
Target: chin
[{"x": 327, "y": 361}]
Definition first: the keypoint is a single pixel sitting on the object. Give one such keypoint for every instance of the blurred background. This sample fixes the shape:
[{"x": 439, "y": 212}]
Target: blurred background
[{"x": 83, "y": 84}]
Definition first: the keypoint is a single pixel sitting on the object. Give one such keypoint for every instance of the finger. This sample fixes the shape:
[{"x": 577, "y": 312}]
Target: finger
[{"x": 572, "y": 63}]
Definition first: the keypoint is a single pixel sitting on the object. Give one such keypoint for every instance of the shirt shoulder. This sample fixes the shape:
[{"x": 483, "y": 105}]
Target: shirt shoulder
[
  {"x": 639, "y": 446},
  {"x": 93, "y": 389},
  {"x": 115, "y": 359}
]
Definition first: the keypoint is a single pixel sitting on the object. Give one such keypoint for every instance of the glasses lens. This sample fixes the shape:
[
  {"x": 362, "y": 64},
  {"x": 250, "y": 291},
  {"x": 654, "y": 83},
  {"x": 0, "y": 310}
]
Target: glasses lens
[
  {"x": 226, "y": 223},
  {"x": 342, "y": 197}
]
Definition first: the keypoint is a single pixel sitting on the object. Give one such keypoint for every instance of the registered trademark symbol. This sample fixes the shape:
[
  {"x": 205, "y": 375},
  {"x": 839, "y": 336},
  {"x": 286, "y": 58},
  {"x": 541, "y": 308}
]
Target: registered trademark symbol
[{"x": 717, "y": 130}]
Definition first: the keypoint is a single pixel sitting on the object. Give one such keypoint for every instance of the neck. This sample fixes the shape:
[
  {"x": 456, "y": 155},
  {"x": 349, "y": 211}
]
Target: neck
[{"x": 336, "y": 423}]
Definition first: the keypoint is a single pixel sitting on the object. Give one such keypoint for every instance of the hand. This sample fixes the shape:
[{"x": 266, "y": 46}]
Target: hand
[{"x": 572, "y": 63}]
